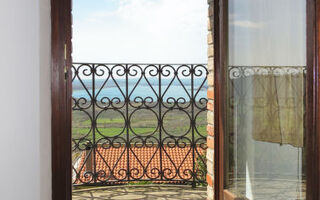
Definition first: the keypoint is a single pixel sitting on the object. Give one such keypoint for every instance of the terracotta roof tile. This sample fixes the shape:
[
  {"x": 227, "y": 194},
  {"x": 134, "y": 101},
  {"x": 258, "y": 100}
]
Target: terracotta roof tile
[{"x": 177, "y": 164}]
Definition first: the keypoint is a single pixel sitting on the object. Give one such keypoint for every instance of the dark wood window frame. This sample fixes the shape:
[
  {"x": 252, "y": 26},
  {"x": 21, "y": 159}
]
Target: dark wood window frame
[
  {"x": 220, "y": 25},
  {"x": 61, "y": 97}
]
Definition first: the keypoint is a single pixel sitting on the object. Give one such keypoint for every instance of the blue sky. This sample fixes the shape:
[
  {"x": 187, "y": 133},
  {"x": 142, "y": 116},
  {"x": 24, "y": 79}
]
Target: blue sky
[
  {"x": 262, "y": 32},
  {"x": 84, "y": 8},
  {"x": 166, "y": 31}
]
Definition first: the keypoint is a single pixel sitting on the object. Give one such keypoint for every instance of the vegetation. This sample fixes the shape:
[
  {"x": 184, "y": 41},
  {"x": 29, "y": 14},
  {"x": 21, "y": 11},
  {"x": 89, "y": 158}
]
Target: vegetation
[
  {"x": 201, "y": 165},
  {"x": 143, "y": 122}
]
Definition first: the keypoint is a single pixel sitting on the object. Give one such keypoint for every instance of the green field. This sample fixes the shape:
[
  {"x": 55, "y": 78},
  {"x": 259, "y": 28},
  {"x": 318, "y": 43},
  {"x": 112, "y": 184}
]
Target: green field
[{"x": 143, "y": 122}]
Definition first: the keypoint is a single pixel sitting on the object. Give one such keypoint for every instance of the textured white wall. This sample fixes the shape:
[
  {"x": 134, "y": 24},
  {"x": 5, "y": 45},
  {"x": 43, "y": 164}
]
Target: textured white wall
[{"x": 25, "y": 161}]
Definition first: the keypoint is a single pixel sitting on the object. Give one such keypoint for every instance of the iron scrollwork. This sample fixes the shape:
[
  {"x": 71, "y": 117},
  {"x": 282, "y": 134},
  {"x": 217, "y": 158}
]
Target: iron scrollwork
[{"x": 133, "y": 150}]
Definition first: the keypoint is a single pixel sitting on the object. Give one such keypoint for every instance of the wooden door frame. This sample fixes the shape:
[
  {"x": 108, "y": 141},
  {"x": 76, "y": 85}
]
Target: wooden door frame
[
  {"x": 61, "y": 99},
  {"x": 313, "y": 98}
]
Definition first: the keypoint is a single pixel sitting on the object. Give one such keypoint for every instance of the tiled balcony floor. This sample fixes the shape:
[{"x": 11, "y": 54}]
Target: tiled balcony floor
[{"x": 141, "y": 192}]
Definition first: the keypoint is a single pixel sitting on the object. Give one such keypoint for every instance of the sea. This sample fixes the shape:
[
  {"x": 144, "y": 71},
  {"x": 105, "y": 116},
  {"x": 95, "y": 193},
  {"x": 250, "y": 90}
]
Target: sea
[{"x": 117, "y": 88}]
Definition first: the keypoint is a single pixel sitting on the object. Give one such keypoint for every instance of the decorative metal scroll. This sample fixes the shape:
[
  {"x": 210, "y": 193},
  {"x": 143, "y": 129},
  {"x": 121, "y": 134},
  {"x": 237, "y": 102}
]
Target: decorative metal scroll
[
  {"x": 139, "y": 122},
  {"x": 236, "y": 72}
]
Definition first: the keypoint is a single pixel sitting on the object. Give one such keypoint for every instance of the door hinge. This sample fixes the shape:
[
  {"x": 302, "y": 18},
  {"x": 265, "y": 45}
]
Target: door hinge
[
  {"x": 65, "y": 73},
  {"x": 65, "y": 59},
  {"x": 65, "y": 51}
]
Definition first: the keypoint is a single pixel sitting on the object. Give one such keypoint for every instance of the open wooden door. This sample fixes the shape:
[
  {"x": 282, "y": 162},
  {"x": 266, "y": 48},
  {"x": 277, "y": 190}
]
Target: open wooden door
[{"x": 266, "y": 108}]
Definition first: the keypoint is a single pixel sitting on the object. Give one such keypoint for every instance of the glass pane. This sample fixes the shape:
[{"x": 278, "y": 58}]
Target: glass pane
[{"x": 265, "y": 107}]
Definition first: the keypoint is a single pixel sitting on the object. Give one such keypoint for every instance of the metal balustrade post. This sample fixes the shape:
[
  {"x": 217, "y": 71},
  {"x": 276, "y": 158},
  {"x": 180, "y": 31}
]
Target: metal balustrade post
[
  {"x": 94, "y": 123},
  {"x": 192, "y": 100},
  {"x": 160, "y": 122},
  {"x": 127, "y": 120}
]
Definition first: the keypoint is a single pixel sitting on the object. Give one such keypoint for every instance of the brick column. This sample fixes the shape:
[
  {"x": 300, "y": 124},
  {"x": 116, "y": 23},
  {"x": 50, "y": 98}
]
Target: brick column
[{"x": 210, "y": 138}]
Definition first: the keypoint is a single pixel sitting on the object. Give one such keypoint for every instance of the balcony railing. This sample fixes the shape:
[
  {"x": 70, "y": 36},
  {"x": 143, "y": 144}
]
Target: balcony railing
[{"x": 139, "y": 122}]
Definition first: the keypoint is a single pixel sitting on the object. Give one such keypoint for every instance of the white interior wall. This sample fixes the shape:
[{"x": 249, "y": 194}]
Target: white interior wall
[{"x": 25, "y": 161}]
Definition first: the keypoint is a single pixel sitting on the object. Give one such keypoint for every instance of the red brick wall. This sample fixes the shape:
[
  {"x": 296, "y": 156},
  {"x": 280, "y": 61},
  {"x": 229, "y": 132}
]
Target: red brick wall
[{"x": 210, "y": 139}]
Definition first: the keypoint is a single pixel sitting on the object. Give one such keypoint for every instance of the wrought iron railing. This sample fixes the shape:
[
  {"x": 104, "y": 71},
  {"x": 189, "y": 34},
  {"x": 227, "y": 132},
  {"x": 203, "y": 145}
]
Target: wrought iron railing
[{"x": 139, "y": 122}]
